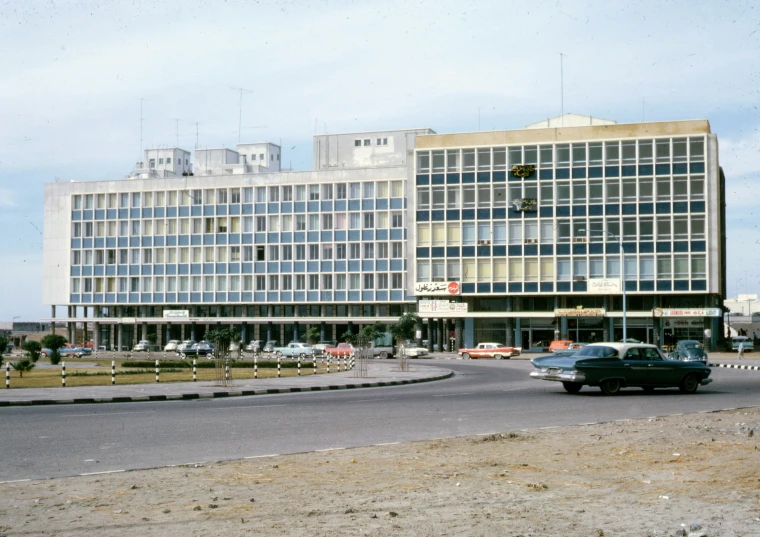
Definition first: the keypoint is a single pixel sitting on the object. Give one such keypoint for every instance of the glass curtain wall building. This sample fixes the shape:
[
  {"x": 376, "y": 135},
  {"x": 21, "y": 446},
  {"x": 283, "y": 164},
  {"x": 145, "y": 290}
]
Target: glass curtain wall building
[{"x": 529, "y": 224}]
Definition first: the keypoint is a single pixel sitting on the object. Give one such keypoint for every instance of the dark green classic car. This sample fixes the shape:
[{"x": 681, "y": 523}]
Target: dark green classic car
[{"x": 612, "y": 366}]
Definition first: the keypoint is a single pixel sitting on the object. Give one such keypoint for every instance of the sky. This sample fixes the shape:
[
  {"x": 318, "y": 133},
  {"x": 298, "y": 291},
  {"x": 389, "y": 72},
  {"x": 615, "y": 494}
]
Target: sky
[{"x": 75, "y": 74}]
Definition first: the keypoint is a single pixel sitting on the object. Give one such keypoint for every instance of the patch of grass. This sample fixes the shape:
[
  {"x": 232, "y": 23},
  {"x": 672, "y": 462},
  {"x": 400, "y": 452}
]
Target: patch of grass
[{"x": 101, "y": 376}]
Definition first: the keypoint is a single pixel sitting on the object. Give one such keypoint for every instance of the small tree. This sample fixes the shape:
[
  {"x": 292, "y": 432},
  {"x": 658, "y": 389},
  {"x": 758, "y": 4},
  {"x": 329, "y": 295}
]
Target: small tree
[
  {"x": 22, "y": 366},
  {"x": 32, "y": 349},
  {"x": 221, "y": 338},
  {"x": 54, "y": 342},
  {"x": 313, "y": 335},
  {"x": 3, "y": 346},
  {"x": 404, "y": 328}
]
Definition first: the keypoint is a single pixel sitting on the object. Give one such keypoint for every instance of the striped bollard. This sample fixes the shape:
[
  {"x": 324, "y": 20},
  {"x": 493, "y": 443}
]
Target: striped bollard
[
  {"x": 195, "y": 371},
  {"x": 314, "y": 363},
  {"x": 157, "y": 379},
  {"x": 8, "y": 375},
  {"x": 164, "y": 354},
  {"x": 63, "y": 374},
  {"x": 278, "y": 367},
  {"x": 299, "y": 366},
  {"x": 113, "y": 372},
  {"x": 255, "y": 366},
  {"x": 227, "y": 371},
  {"x": 329, "y": 359}
]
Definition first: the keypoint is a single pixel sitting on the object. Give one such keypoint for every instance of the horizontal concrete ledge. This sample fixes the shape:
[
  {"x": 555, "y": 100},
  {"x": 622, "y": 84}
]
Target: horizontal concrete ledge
[{"x": 233, "y": 393}]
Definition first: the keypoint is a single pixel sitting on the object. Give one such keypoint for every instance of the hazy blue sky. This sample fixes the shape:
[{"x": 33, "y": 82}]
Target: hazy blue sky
[{"x": 74, "y": 73}]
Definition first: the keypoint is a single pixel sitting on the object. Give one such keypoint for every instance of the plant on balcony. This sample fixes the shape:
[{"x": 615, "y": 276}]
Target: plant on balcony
[{"x": 523, "y": 170}]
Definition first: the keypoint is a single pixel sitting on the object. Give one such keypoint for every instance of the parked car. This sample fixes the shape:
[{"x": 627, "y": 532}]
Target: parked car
[
  {"x": 340, "y": 350},
  {"x": 142, "y": 346},
  {"x": 270, "y": 346},
  {"x": 689, "y": 350},
  {"x": 294, "y": 349},
  {"x": 575, "y": 345},
  {"x": 87, "y": 351},
  {"x": 489, "y": 350},
  {"x": 746, "y": 341},
  {"x": 319, "y": 348},
  {"x": 202, "y": 348},
  {"x": 612, "y": 366},
  {"x": 172, "y": 345},
  {"x": 412, "y": 350},
  {"x": 66, "y": 352},
  {"x": 185, "y": 345},
  {"x": 560, "y": 345},
  {"x": 254, "y": 346}
]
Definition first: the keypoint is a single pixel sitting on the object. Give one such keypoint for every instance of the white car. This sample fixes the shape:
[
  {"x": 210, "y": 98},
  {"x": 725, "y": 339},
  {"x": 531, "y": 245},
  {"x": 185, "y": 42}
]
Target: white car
[
  {"x": 411, "y": 350},
  {"x": 172, "y": 345},
  {"x": 142, "y": 346}
]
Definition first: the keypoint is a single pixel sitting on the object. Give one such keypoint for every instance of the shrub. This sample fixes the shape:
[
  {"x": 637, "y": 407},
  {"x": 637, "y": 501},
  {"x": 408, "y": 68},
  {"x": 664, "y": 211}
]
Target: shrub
[
  {"x": 23, "y": 366},
  {"x": 32, "y": 349},
  {"x": 54, "y": 342}
]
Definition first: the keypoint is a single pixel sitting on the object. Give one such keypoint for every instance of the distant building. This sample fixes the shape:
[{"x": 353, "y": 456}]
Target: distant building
[{"x": 743, "y": 305}]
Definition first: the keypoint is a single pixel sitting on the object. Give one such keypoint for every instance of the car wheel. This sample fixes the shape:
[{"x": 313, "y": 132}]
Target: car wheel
[
  {"x": 572, "y": 387},
  {"x": 182, "y": 355},
  {"x": 383, "y": 355},
  {"x": 465, "y": 356},
  {"x": 648, "y": 389},
  {"x": 610, "y": 386},
  {"x": 497, "y": 356},
  {"x": 278, "y": 354},
  {"x": 689, "y": 384}
]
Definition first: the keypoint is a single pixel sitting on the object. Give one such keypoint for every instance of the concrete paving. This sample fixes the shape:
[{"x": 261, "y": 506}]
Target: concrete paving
[{"x": 379, "y": 373}]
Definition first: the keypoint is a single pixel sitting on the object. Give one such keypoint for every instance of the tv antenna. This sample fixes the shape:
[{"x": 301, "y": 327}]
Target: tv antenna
[
  {"x": 240, "y": 118},
  {"x": 141, "y": 128},
  {"x": 561, "y": 89}
]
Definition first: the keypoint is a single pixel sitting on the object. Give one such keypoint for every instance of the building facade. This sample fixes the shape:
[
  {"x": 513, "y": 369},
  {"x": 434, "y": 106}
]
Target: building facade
[
  {"x": 519, "y": 237},
  {"x": 271, "y": 253},
  {"x": 535, "y": 231}
]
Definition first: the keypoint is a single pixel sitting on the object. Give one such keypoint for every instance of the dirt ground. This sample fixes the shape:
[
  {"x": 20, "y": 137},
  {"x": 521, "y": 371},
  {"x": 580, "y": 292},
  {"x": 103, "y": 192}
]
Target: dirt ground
[{"x": 633, "y": 478}]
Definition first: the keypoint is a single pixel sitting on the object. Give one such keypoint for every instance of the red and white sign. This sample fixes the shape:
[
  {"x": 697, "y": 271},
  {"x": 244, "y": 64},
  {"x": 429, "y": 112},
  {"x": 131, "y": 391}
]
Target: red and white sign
[{"x": 436, "y": 288}]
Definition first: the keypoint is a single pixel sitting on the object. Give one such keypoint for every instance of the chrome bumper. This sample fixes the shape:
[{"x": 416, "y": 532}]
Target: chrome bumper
[{"x": 561, "y": 376}]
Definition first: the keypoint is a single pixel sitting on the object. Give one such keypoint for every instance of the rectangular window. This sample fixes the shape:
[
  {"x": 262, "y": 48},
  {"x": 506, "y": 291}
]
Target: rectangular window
[
  {"x": 234, "y": 254},
  {"x": 247, "y": 254},
  {"x": 301, "y": 193},
  {"x": 300, "y": 252},
  {"x": 287, "y": 282},
  {"x": 314, "y": 282},
  {"x": 287, "y": 252},
  {"x": 274, "y": 194},
  {"x": 397, "y": 280},
  {"x": 314, "y": 252},
  {"x": 300, "y": 282},
  {"x": 261, "y": 194},
  {"x": 397, "y": 250},
  {"x": 261, "y": 284},
  {"x": 354, "y": 191},
  {"x": 340, "y": 191},
  {"x": 261, "y": 224},
  {"x": 327, "y": 252},
  {"x": 313, "y": 192},
  {"x": 340, "y": 251},
  {"x": 327, "y": 221},
  {"x": 287, "y": 193},
  {"x": 274, "y": 252},
  {"x": 274, "y": 282}
]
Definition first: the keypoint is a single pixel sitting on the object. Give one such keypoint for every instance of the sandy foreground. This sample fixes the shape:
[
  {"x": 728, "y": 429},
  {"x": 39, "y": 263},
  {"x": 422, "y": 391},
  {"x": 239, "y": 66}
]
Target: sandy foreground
[{"x": 638, "y": 478}]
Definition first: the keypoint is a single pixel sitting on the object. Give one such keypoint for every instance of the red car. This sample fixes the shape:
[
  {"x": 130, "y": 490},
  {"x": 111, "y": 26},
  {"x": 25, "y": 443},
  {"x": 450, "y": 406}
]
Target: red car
[
  {"x": 343, "y": 349},
  {"x": 490, "y": 350}
]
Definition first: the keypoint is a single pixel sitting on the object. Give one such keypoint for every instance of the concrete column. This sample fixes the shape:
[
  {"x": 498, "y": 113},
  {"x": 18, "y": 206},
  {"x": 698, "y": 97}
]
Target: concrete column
[
  {"x": 563, "y": 329},
  {"x": 96, "y": 336},
  {"x": 269, "y": 332},
  {"x": 192, "y": 331},
  {"x": 120, "y": 340},
  {"x": 605, "y": 324},
  {"x": 459, "y": 330},
  {"x": 244, "y": 333},
  {"x": 295, "y": 332},
  {"x": 144, "y": 331},
  {"x": 112, "y": 339},
  {"x": 323, "y": 331},
  {"x": 350, "y": 327},
  {"x": 160, "y": 334},
  {"x": 84, "y": 327},
  {"x": 69, "y": 327},
  {"x": 441, "y": 326},
  {"x": 52, "y": 323},
  {"x": 182, "y": 331},
  {"x": 510, "y": 323}
]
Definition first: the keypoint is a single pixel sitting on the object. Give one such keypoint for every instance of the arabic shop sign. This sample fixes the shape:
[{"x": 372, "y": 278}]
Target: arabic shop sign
[
  {"x": 578, "y": 312},
  {"x": 687, "y": 312},
  {"x": 441, "y": 306},
  {"x": 604, "y": 285},
  {"x": 436, "y": 288},
  {"x": 176, "y": 314}
]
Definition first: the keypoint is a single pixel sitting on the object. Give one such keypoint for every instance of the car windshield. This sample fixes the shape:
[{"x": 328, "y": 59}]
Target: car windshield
[
  {"x": 596, "y": 352},
  {"x": 693, "y": 346}
]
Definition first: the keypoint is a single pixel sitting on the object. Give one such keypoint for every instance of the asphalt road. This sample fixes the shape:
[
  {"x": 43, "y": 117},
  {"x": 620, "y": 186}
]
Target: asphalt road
[{"x": 483, "y": 397}]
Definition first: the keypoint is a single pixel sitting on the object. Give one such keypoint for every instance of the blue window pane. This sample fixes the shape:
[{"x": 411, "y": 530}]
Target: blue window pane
[
  {"x": 645, "y": 169},
  {"x": 438, "y": 179},
  {"x": 562, "y": 173},
  {"x": 468, "y": 251},
  {"x": 452, "y": 178},
  {"x": 423, "y": 216},
  {"x": 662, "y": 169},
  {"x": 468, "y": 178},
  {"x": 563, "y": 249},
  {"x": 499, "y": 177},
  {"x": 547, "y": 287},
  {"x": 596, "y": 172},
  {"x": 612, "y": 209},
  {"x": 646, "y": 208},
  {"x": 547, "y": 249},
  {"x": 628, "y": 171},
  {"x": 530, "y": 250},
  {"x": 514, "y": 250},
  {"x": 697, "y": 206},
  {"x": 515, "y": 288},
  {"x": 612, "y": 171},
  {"x": 546, "y": 174},
  {"x": 697, "y": 167},
  {"x": 423, "y": 180},
  {"x": 663, "y": 207}
]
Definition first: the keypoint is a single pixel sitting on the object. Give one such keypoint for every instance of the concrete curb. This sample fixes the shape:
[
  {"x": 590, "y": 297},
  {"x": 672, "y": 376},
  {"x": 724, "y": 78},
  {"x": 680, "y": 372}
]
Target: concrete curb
[
  {"x": 220, "y": 394},
  {"x": 736, "y": 366}
]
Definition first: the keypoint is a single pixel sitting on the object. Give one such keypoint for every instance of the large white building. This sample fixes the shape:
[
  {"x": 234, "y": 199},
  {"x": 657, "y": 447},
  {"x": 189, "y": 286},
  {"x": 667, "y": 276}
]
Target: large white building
[
  {"x": 522, "y": 229},
  {"x": 234, "y": 240}
]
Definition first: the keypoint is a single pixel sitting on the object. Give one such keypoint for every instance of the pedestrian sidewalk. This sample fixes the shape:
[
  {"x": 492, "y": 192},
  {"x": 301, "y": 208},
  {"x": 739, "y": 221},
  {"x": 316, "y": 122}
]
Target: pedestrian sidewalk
[{"x": 378, "y": 374}]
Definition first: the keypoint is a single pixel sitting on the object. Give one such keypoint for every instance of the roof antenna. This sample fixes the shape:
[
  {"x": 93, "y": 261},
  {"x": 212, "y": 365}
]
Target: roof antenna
[
  {"x": 240, "y": 118},
  {"x": 561, "y": 90}
]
